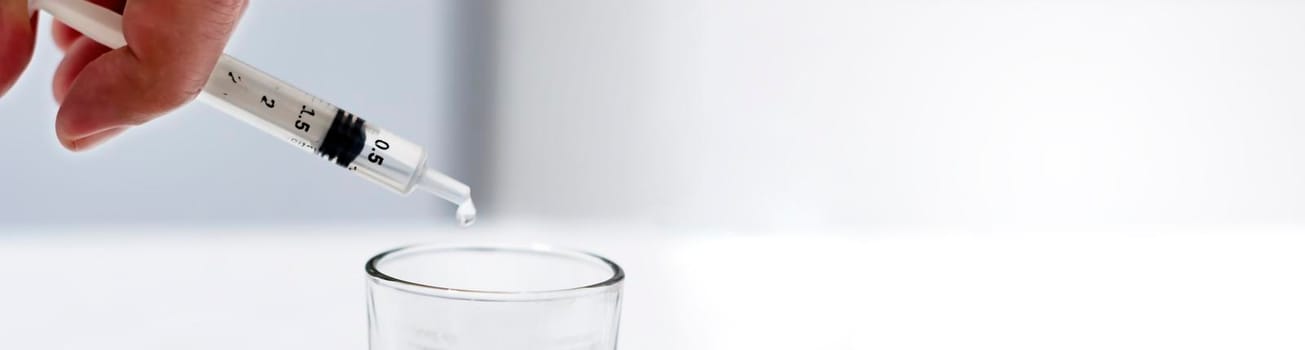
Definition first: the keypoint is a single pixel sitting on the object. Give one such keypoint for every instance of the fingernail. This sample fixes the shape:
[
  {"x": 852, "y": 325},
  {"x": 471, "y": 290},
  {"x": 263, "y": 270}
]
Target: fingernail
[{"x": 93, "y": 140}]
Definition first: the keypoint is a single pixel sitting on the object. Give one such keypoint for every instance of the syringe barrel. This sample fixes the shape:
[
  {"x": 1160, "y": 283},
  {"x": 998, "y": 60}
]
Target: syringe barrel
[
  {"x": 291, "y": 115},
  {"x": 314, "y": 125}
]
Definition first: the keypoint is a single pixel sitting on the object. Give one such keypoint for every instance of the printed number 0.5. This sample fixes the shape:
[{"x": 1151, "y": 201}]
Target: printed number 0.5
[{"x": 376, "y": 158}]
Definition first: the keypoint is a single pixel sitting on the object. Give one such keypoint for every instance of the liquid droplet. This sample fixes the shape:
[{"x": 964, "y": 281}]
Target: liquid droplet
[{"x": 466, "y": 213}]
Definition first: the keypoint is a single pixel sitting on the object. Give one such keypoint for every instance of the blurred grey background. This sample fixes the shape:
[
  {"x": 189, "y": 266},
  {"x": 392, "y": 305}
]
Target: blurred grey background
[{"x": 749, "y": 115}]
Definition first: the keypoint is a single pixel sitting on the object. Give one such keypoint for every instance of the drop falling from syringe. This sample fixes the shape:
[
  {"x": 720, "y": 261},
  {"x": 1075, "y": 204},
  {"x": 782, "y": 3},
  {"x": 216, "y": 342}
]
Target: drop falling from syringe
[
  {"x": 292, "y": 115},
  {"x": 466, "y": 213}
]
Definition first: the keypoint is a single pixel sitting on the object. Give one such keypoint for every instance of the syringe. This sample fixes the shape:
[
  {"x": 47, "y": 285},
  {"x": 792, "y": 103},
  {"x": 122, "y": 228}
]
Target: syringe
[{"x": 292, "y": 115}]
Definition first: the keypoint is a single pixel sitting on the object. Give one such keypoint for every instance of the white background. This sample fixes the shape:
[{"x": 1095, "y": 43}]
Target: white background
[
  {"x": 990, "y": 115},
  {"x": 773, "y": 174}
]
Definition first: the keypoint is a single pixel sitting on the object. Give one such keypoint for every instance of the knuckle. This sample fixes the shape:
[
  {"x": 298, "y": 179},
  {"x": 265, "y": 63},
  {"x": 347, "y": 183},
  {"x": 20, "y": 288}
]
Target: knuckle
[
  {"x": 221, "y": 17},
  {"x": 227, "y": 11},
  {"x": 167, "y": 89},
  {"x": 235, "y": 5}
]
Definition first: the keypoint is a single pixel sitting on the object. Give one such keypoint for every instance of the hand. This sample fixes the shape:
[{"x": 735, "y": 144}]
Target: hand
[{"x": 172, "y": 46}]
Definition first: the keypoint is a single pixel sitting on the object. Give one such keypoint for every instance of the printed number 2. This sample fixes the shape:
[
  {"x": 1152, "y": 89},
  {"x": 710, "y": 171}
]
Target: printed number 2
[{"x": 270, "y": 103}]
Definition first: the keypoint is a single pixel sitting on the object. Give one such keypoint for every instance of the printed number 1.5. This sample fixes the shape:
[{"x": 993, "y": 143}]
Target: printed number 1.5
[{"x": 301, "y": 124}]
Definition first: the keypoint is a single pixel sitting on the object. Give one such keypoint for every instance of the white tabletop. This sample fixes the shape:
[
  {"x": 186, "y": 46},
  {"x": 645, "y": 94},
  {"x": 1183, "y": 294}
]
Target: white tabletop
[{"x": 294, "y": 289}]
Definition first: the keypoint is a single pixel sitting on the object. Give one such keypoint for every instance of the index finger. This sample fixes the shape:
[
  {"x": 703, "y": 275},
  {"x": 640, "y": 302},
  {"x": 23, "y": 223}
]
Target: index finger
[
  {"x": 17, "y": 38},
  {"x": 172, "y": 46}
]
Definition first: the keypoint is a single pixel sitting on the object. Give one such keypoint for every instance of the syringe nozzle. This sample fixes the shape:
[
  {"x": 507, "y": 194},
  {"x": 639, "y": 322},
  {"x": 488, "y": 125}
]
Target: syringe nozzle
[{"x": 451, "y": 190}]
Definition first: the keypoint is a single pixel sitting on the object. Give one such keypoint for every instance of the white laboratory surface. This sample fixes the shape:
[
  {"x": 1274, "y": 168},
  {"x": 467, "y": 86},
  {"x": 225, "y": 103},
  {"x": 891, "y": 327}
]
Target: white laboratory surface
[{"x": 291, "y": 289}]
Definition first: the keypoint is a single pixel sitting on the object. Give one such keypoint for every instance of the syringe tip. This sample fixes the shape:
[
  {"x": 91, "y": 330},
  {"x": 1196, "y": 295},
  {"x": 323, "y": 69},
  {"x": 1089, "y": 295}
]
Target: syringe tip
[
  {"x": 450, "y": 190},
  {"x": 444, "y": 186}
]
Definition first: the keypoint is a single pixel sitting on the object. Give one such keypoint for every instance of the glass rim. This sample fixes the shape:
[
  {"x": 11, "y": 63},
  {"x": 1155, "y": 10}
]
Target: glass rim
[{"x": 615, "y": 279}]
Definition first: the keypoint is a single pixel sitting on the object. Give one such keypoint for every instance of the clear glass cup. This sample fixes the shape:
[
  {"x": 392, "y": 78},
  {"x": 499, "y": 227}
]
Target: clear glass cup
[{"x": 493, "y": 297}]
